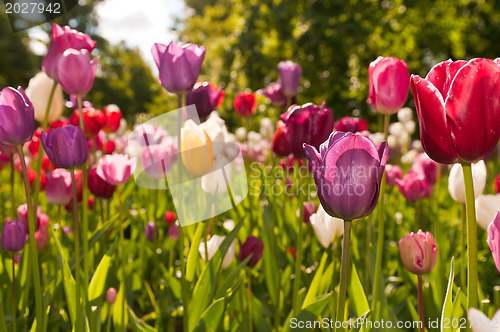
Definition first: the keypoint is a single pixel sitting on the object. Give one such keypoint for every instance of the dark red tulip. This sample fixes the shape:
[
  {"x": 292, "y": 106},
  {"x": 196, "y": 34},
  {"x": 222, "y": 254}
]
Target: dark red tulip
[
  {"x": 458, "y": 110},
  {"x": 310, "y": 124},
  {"x": 309, "y": 208},
  {"x": 206, "y": 97},
  {"x": 34, "y": 144},
  {"x": 245, "y": 104},
  {"x": 280, "y": 143},
  {"x": 251, "y": 246},
  {"x": 112, "y": 118},
  {"x": 497, "y": 184},
  {"x": 349, "y": 124},
  {"x": 97, "y": 186}
]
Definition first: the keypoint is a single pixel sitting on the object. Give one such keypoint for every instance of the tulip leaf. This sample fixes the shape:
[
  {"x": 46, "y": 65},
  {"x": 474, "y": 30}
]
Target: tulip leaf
[
  {"x": 120, "y": 319},
  {"x": 269, "y": 255},
  {"x": 356, "y": 291},
  {"x": 194, "y": 252},
  {"x": 314, "y": 286},
  {"x": 311, "y": 312},
  {"x": 447, "y": 312},
  {"x": 98, "y": 282},
  {"x": 138, "y": 324}
]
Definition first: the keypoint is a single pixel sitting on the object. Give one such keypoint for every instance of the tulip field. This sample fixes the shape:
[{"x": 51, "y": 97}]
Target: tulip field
[{"x": 302, "y": 220}]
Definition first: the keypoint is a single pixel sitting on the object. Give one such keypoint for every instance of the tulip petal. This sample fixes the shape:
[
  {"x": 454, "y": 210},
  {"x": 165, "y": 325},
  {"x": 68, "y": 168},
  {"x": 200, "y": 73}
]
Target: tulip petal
[
  {"x": 442, "y": 75},
  {"x": 434, "y": 130},
  {"x": 158, "y": 50},
  {"x": 473, "y": 109}
]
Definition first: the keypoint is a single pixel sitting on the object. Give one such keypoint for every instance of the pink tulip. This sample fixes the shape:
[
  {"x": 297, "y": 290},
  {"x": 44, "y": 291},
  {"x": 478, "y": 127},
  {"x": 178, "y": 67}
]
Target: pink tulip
[
  {"x": 111, "y": 295},
  {"x": 76, "y": 72},
  {"x": 392, "y": 173},
  {"x": 427, "y": 167},
  {"x": 389, "y": 84},
  {"x": 58, "y": 187},
  {"x": 116, "y": 169},
  {"x": 414, "y": 186},
  {"x": 22, "y": 216},
  {"x": 418, "y": 252},
  {"x": 494, "y": 240},
  {"x": 42, "y": 235},
  {"x": 157, "y": 159}
]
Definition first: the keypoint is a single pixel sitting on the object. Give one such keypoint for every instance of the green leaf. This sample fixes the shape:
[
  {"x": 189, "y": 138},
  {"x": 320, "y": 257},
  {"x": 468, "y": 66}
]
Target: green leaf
[
  {"x": 447, "y": 312},
  {"x": 120, "y": 319},
  {"x": 356, "y": 292},
  {"x": 194, "y": 252},
  {"x": 314, "y": 286},
  {"x": 138, "y": 324},
  {"x": 269, "y": 255},
  {"x": 212, "y": 317},
  {"x": 311, "y": 312},
  {"x": 98, "y": 282}
]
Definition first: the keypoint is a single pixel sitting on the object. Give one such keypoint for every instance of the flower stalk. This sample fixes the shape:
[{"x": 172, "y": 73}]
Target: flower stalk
[{"x": 344, "y": 269}]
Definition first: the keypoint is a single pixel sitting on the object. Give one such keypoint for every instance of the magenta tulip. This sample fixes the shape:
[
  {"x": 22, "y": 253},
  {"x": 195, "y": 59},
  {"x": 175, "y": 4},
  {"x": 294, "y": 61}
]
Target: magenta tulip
[
  {"x": 76, "y": 72},
  {"x": 289, "y": 73},
  {"x": 17, "y": 117},
  {"x": 427, "y": 167},
  {"x": 22, "y": 216},
  {"x": 157, "y": 159},
  {"x": 458, "y": 111},
  {"x": 206, "y": 97},
  {"x": 151, "y": 232},
  {"x": 494, "y": 239},
  {"x": 418, "y": 252},
  {"x": 274, "y": 93},
  {"x": 252, "y": 246},
  {"x": 58, "y": 187},
  {"x": 349, "y": 124},
  {"x": 392, "y": 173},
  {"x": 116, "y": 169},
  {"x": 389, "y": 83},
  {"x": 179, "y": 65},
  {"x": 13, "y": 236},
  {"x": 414, "y": 186}
]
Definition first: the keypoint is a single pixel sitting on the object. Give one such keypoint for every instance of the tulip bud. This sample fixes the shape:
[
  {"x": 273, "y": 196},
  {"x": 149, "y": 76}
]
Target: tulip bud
[
  {"x": 196, "y": 150},
  {"x": 111, "y": 295},
  {"x": 392, "y": 173},
  {"x": 418, "y": 252},
  {"x": 170, "y": 217},
  {"x": 151, "y": 232},
  {"x": 213, "y": 245},
  {"x": 326, "y": 227},
  {"x": 17, "y": 121},
  {"x": 58, "y": 187},
  {"x": 38, "y": 91},
  {"x": 289, "y": 73},
  {"x": 309, "y": 208},
  {"x": 252, "y": 246},
  {"x": 13, "y": 236},
  {"x": 66, "y": 147},
  {"x": 112, "y": 118},
  {"x": 274, "y": 93},
  {"x": 280, "y": 142},
  {"x": 414, "y": 186},
  {"x": 427, "y": 167},
  {"x": 456, "y": 185},
  {"x": 76, "y": 72},
  {"x": 245, "y": 104}
]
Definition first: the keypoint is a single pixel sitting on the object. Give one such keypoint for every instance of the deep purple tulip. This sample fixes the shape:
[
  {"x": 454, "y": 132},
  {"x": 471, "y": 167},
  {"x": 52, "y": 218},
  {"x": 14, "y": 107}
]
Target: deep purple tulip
[
  {"x": 427, "y": 167},
  {"x": 251, "y": 246},
  {"x": 13, "y": 236},
  {"x": 289, "y": 73},
  {"x": 62, "y": 39},
  {"x": 76, "y": 72},
  {"x": 309, "y": 123},
  {"x": 414, "y": 186},
  {"x": 58, "y": 187},
  {"x": 66, "y": 146},
  {"x": 151, "y": 232},
  {"x": 348, "y": 170},
  {"x": 274, "y": 93},
  {"x": 392, "y": 173},
  {"x": 349, "y": 124},
  {"x": 206, "y": 97},
  {"x": 179, "y": 65},
  {"x": 17, "y": 117}
]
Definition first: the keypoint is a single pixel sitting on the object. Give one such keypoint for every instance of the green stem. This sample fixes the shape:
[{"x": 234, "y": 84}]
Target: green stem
[
  {"x": 249, "y": 292},
  {"x": 76, "y": 227},
  {"x": 344, "y": 269},
  {"x": 421, "y": 315},
  {"x": 378, "y": 277},
  {"x": 32, "y": 243},
  {"x": 14, "y": 313},
  {"x": 463, "y": 246},
  {"x": 472, "y": 287},
  {"x": 122, "y": 252},
  {"x": 12, "y": 189},
  {"x": 298, "y": 261}
]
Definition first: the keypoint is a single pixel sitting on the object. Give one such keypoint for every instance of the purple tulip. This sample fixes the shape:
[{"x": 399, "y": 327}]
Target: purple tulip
[
  {"x": 58, "y": 187},
  {"x": 76, "y": 72},
  {"x": 427, "y": 167},
  {"x": 418, "y": 252},
  {"x": 494, "y": 240},
  {"x": 348, "y": 170},
  {"x": 392, "y": 173},
  {"x": 309, "y": 123},
  {"x": 13, "y": 236},
  {"x": 251, "y": 246},
  {"x": 289, "y": 73},
  {"x": 151, "y": 232},
  {"x": 66, "y": 147},
  {"x": 274, "y": 93},
  {"x": 414, "y": 186},
  {"x": 206, "y": 97},
  {"x": 17, "y": 117},
  {"x": 179, "y": 65},
  {"x": 62, "y": 39}
]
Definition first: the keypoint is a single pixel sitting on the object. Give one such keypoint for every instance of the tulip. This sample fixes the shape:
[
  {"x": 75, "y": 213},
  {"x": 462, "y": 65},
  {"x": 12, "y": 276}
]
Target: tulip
[
  {"x": 170, "y": 217},
  {"x": 38, "y": 91},
  {"x": 93, "y": 121},
  {"x": 17, "y": 122},
  {"x": 310, "y": 124},
  {"x": 274, "y": 93},
  {"x": 479, "y": 322},
  {"x": 206, "y": 97},
  {"x": 280, "y": 142},
  {"x": 76, "y": 72},
  {"x": 414, "y": 186},
  {"x": 456, "y": 104},
  {"x": 289, "y": 73},
  {"x": 58, "y": 187},
  {"x": 196, "y": 150},
  {"x": 63, "y": 39},
  {"x": 213, "y": 245},
  {"x": 152, "y": 233},
  {"x": 22, "y": 216},
  {"x": 487, "y": 207},
  {"x": 158, "y": 159},
  {"x": 116, "y": 169},
  {"x": 245, "y": 104},
  {"x": 497, "y": 184},
  {"x": 179, "y": 65},
  {"x": 111, "y": 295},
  {"x": 112, "y": 118},
  {"x": 266, "y": 128},
  {"x": 110, "y": 147},
  {"x": 97, "y": 186},
  {"x": 13, "y": 236},
  {"x": 34, "y": 143},
  {"x": 4, "y": 159},
  {"x": 216, "y": 182},
  {"x": 66, "y": 147},
  {"x": 42, "y": 235},
  {"x": 309, "y": 208},
  {"x": 392, "y": 173},
  {"x": 456, "y": 185},
  {"x": 389, "y": 82},
  {"x": 348, "y": 173},
  {"x": 252, "y": 246},
  {"x": 427, "y": 167},
  {"x": 173, "y": 232},
  {"x": 326, "y": 227},
  {"x": 494, "y": 239},
  {"x": 418, "y": 252},
  {"x": 353, "y": 125}
]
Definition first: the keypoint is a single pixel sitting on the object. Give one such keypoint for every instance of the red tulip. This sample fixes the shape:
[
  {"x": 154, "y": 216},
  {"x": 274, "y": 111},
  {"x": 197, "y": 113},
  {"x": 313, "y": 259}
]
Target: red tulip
[
  {"x": 245, "y": 104},
  {"x": 170, "y": 217},
  {"x": 93, "y": 120},
  {"x": 458, "y": 110},
  {"x": 280, "y": 143},
  {"x": 112, "y": 118}
]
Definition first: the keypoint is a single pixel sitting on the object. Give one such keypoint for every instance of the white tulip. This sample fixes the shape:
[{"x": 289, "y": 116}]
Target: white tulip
[
  {"x": 241, "y": 134},
  {"x": 266, "y": 128},
  {"x": 480, "y": 322},
  {"x": 410, "y": 126},
  {"x": 456, "y": 185},
  {"x": 215, "y": 182},
  {"x": 397, "y": 129},
  {"x": 405, "y": 115},
  {"x": 213, "y": 245},
  {"x": 326, "y": 227},
  {"x": 215, "y": 127},
  {"x": 38, "y": 91},
  {"x": 229, "y": 225},
  {"x": 487, "y": 207}
]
